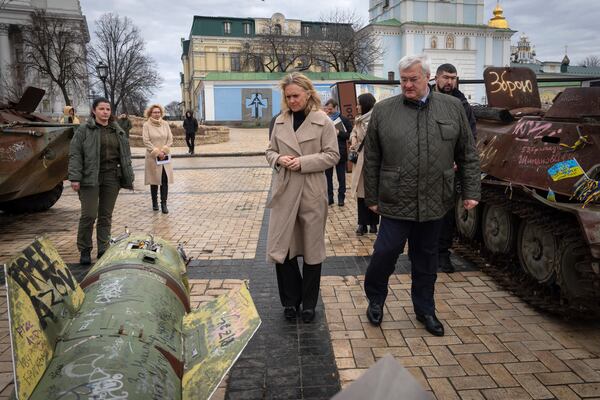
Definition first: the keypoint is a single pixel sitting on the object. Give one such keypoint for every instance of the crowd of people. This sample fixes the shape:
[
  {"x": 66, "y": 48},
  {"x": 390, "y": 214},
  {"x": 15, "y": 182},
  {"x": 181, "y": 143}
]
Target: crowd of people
[{"x": 409, "y": 154}]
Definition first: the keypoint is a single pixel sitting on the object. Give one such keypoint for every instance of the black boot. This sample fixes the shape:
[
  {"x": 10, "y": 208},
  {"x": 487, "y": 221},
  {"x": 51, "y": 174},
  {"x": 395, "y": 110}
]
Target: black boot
[
  {"x": 85, "y": 258},
  {"x": 361, "y": 230},
  {"x": 154, "y": 194},
  {"x": 373, "y": 229},
  {"x": 164, "y": 191}
]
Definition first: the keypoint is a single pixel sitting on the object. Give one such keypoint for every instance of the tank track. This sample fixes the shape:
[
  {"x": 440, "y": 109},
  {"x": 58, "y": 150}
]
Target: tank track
[{"x": 506, "y": 269}]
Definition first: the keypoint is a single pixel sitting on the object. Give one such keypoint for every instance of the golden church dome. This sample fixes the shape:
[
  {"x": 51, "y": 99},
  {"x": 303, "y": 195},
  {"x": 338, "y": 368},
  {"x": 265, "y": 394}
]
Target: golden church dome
[{"x": 498, "y": 21}]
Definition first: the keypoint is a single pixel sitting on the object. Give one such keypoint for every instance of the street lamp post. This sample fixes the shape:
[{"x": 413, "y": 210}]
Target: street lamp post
[{"x": 102, "y": 71}]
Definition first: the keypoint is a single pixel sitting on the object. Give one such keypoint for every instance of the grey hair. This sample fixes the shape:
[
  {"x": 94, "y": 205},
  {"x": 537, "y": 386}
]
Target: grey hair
[{"x": 408, "y": 61}]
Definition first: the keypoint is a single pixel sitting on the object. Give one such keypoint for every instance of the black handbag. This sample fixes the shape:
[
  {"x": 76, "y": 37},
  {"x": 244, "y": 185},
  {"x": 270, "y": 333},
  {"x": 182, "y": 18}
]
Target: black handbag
[{"x": 353, "y": 155}]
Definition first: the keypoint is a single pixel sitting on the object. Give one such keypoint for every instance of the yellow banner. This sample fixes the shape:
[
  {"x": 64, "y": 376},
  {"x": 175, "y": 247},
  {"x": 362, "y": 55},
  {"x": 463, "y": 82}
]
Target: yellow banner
[
  {"x": 214, "y": 337},
  {"x": 41, "y": 291}
]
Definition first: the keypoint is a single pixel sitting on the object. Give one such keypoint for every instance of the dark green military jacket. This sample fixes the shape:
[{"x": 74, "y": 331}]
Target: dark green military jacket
[
  {"x": 84, "y": 155},
  {"x": 410, "y": 151}
]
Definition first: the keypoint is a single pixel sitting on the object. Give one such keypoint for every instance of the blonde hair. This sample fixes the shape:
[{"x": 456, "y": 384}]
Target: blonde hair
[
  {"x": 148, "y": 111},
  {"x": 296, "y": 78}
]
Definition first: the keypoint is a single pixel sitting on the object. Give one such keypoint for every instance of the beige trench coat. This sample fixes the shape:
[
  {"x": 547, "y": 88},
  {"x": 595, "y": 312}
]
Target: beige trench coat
[
  {"x": 357, "y": 136},
  {"x": 299, "y": 198},
  {"x": 156, "y": 139}
]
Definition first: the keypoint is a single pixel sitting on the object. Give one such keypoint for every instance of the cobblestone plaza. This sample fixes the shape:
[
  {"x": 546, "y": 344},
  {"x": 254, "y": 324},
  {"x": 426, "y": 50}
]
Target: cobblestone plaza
[{"x": 495, "y": 347}]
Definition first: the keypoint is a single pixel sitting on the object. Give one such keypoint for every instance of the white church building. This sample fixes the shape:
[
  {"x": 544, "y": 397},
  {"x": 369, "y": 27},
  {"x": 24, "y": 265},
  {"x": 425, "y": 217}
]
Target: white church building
[{"x": 448, "y": 31}]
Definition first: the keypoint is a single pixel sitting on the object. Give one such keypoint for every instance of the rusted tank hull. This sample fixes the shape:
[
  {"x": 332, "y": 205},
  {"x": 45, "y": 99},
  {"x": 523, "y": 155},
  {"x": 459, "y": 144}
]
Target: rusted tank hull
[{"x": 33, "y": 163}]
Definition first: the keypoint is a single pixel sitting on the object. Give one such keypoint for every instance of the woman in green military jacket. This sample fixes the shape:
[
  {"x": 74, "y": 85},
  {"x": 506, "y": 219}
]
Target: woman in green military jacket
[{"x": 99, "y": 165}]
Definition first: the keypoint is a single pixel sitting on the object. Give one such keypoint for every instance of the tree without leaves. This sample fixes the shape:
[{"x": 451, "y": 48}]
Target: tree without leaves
[
  {"x": 174, "y": 109},
  {"x": 277, "y": 51},
  {"x": 590, "y": 61},
  {"x": 54, "y": 47},
  {"x": 347, "y": 45},
  {"x": 132, "y": 75}
]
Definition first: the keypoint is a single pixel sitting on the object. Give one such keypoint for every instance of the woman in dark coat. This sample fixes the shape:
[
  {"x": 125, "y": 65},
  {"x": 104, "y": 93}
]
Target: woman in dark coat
[{"x": 190, "y": 125}]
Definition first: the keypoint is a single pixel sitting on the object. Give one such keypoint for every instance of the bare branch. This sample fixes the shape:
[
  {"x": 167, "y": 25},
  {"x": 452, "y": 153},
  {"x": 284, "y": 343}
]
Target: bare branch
[
  {"x": 132, "y": 75},
  {"x": 590, "y": 61}
]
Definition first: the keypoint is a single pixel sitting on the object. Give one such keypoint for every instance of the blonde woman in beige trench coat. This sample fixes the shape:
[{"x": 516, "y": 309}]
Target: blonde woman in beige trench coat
[
  {"x": 303, "y": 145},
  {"x": 158, "y": 140}
]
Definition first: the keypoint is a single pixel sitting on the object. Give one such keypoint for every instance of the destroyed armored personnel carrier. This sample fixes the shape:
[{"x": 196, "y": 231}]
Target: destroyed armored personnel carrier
[
  {"x": 34, "y": 155},
  {"x": 540, "y": 205}
]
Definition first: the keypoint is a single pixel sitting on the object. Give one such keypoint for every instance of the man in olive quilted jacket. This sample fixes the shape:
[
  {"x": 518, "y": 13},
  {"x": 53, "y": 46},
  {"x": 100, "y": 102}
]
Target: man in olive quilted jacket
[{"x": 412, "y": 143}]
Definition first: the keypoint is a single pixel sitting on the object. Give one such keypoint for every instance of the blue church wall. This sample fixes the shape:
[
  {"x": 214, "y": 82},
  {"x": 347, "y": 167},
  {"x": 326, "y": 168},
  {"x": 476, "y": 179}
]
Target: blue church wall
[
  {"x": 420, "y": 10},
  {"x": 419, "y": 43},
  {"x": 445, "y": 13},
  {"x": 199, "y": 114},
  {"x": 392, "y": 52},
  {"x": 497, "y": 52},
  {"x": 470, "y": 14},
  {"x": 227, "y": 103}
]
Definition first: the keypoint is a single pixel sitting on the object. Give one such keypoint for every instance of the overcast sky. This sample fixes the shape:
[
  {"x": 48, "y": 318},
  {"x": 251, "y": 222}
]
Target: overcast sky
[{"x": 550, "y": 25}]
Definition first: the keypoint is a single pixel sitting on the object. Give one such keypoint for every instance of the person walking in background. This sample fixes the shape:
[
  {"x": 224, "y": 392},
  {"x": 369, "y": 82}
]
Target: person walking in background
[
  {"x": 366, "y": 217},
  {"x": 303, "y": 145},
  {"x": 69, "y": 116},
  {"x": 124, "y": 123},
  {"x": 343, "y": 127},
  {"x": 190, "y": 126},
  {"x": 446, "y": 81},
  {"x": 99, "y": 165},
  {"x": 158, "y": 140},
  {"x": 412, "y": 144}
]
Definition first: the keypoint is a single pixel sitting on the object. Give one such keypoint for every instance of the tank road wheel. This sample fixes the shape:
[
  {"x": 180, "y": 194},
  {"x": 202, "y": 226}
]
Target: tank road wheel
[
  {"x": 34, "y": 203},
  {"x": 538, "y": 252},
  {"x": 574, "y": 257},
  {"x": 499, "y": 229},
  {"x": 468, "y": 222}
]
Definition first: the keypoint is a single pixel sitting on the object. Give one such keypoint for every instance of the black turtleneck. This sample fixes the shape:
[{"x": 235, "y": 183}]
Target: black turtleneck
[{"x": 299, "y": 117}]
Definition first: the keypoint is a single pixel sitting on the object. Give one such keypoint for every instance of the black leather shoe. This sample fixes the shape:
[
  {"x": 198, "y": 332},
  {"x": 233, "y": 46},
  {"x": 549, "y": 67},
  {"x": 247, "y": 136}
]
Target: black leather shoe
[
  {"x": 447, "y": 266},
  {"x": 85, "y": 258},
  {"x": 331, "y": 202},
  {"x": 341, "y": 203},
  {"x": 373, "y": 229},
  {"x": 289, "y": 313},
  {"x": 164, "y": 208},
  {"x": 432, "y": 324},
  {"x": 155, "y": 205},
  {"x": 361, "y": 230},
  {"x": 375, "y": 313},
  {"x": 308, "y": 314}
]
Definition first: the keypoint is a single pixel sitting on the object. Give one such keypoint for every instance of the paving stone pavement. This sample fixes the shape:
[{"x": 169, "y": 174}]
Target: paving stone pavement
[{"x": 495, "y": 346}]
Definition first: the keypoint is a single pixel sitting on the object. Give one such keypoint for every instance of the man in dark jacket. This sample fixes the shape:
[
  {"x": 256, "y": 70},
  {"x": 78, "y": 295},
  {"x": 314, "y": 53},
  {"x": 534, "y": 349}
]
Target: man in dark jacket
[
  {"x": 446, "y": 81},
  {"x": 344, "y": 128},
  {"x": 190, "y": 126},
  {"x": 412, "y": 144}
]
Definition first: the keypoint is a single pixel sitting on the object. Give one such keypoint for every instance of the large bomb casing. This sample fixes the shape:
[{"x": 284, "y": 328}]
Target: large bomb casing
[{"x": 126, "y": 332}]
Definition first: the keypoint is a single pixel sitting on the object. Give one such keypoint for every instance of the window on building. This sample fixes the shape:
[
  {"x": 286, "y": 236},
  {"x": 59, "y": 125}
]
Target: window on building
[
  {"x": 434, "y": 41},
  {"x": 306, "y": 30},
  {"x": 235, "y": 62},
  {"x": 386, "y": 3},
  {"x": 277, "y": 29},
  {"x": 467, "y": 44},
  {"x": 259, "y": 64},
  {"x": 227, "y": 27},
  {"x": 323, "y": 31},
  {"x": 247, "y": 28},
  {"x": 324, "y": 66},
  {"x": 450, "y": 41}
]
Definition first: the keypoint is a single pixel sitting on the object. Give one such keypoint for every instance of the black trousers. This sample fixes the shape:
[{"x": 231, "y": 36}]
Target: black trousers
[
  {"x": 423, "y": 243},
  {"x": 164, "y": 188},
  {"x": 365, "y": 215},
  {"x": 340, "y": 171},
  {"x": 295, "y": 288},
  {"x": 190, "y": 138},
  {"x": 447, "y": 234}
]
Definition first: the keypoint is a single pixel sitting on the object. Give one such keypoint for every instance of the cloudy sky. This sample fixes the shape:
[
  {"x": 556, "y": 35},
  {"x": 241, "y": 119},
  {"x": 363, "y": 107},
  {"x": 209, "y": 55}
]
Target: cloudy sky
[{"x": 550, "y": 24}]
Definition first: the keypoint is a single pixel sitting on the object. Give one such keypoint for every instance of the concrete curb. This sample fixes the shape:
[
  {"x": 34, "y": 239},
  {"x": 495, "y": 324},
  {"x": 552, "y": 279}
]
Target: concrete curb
[{"x": 235, "y": 154}]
